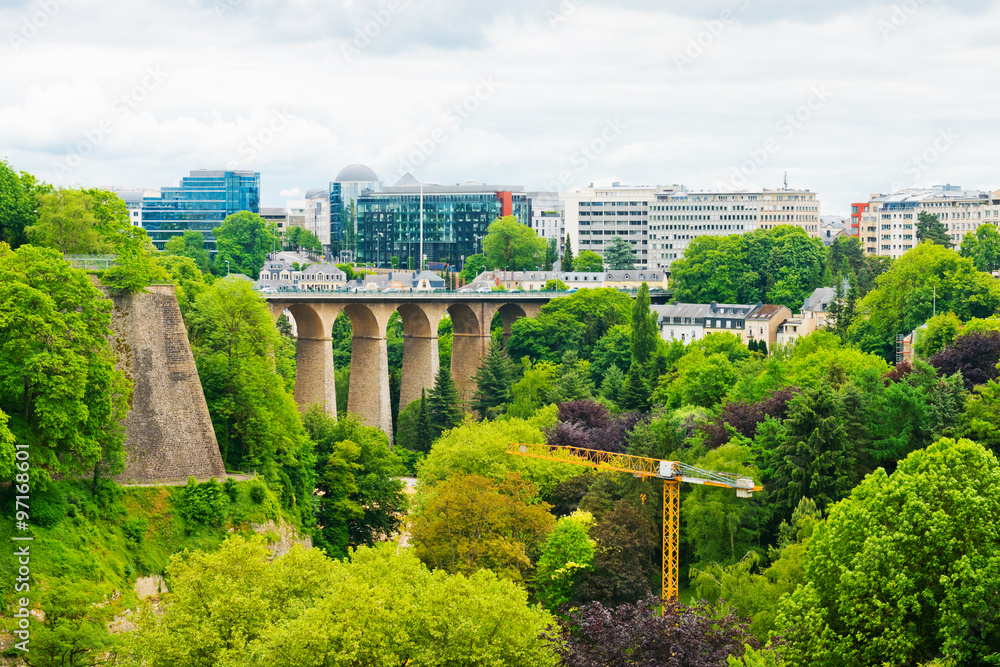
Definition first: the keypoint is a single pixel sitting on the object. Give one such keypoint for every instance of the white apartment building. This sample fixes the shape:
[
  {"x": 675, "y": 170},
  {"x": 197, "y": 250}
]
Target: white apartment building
[
  {"x": 677, "y": 217},
  {"x": 317, "y": 214},
  {"x": 594, "y": 216},
  {"x": 548, "y": 215},
  {"x": 894, "y": 216}
]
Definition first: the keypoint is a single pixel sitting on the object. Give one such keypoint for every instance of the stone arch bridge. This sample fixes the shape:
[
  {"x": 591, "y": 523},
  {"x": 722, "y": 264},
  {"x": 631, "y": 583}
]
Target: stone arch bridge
[{"x": 368, "y": 396}]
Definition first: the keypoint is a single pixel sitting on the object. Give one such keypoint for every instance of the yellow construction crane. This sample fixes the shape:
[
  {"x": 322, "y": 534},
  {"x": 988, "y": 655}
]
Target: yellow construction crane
[{"x": 671, "y": 472}]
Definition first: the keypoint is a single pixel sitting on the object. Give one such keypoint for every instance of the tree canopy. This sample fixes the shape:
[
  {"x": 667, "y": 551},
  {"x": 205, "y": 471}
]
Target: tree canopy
[
  {"x": 782, "y": 266},
  {"x": 511, "y": 246},
  {"x": 20, "y": 195},
  {"x": 245, "y": 239},
  {"x": 982, "y": 246},
  {"x": 588, "y": 260},
  {"x": 58, "y": 381},
  {"x": 930, "y": 228}
]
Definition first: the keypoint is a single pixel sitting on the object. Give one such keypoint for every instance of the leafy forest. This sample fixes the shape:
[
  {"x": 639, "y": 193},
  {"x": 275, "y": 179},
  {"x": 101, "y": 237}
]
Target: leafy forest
[{"x": 874, "y": 542}]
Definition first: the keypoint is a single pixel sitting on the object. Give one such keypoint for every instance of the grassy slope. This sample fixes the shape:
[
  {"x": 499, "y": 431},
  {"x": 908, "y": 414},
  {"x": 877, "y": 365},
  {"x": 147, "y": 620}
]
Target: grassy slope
[{"x": 118, "y": 534}]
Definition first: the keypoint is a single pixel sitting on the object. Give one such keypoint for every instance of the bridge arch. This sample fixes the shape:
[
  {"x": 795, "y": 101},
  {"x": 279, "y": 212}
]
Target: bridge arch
[
  {"x": 368, "y": 392},
  {"x": 314, "y": 372}
]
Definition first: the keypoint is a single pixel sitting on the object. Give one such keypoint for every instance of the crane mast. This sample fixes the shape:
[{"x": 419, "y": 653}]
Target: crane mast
[{"x": 671, "y": 472}]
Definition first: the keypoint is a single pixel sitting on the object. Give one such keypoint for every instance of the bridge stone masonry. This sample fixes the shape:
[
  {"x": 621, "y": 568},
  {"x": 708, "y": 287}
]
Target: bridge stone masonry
[{"x": 421, "y": 313}]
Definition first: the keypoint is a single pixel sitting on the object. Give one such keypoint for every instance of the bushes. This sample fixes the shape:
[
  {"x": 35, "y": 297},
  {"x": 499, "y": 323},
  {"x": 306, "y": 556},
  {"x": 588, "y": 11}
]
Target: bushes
[{"x": 206, "y": 503}]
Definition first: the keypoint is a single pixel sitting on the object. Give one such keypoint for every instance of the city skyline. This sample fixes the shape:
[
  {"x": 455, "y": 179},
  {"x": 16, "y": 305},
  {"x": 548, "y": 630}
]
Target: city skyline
[{"x": 852, "y": 100}]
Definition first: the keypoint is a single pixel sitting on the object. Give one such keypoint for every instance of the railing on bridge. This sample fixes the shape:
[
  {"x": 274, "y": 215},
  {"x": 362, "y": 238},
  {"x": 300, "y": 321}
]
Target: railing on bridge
[{"x": 92, "y": 262}]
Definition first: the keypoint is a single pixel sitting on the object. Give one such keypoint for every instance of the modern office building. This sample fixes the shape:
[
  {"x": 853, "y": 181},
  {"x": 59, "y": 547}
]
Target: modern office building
[
  {"x": 595, "y": 215},
  {"x": 201, "y": 202},
  {"x": 677, "y": 217},
  {"x": 895, "y": 215},
  {"x": 455, "y": 218},
  {"x": 344, "y": 191}
]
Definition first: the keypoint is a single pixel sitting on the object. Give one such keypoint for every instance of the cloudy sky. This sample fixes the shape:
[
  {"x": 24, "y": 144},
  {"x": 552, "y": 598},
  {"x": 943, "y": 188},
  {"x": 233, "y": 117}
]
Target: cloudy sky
[{"x": 848, "y": 97}]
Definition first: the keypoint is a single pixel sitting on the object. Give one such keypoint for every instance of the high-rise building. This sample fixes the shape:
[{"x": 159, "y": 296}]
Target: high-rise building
[
  {"x": 677, "y": 217},
  {"x": 344, "y": 192},
  {"x": 317, "y": 215},
  {"x": 594, "y": 216},
  {"x": 896, "y": 214},
  {"x": 201, "y": 202},
  {"x": 455, "y": 218}
]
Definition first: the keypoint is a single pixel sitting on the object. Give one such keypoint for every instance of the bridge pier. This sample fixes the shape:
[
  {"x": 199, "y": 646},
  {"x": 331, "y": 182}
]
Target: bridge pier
[
  {"x": 368, "y": 396},
  {"x": 314, "y": 372},
  {"x": 420, "y": 349}
]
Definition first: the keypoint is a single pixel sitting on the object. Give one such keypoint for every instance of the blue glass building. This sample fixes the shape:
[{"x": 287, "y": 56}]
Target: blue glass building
[
  {"x": 455, "y": 220},
  {"x": 344, "y": 189},
  {"x": 201, "y": 202}
]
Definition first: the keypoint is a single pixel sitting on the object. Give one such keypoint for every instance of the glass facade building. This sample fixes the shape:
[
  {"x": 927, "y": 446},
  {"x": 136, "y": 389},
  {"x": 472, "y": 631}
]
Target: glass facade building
[
  {"x": 347, "y": 187},
  {"x": 201, "y": 202},
  {"x": 455, "y": 221}
]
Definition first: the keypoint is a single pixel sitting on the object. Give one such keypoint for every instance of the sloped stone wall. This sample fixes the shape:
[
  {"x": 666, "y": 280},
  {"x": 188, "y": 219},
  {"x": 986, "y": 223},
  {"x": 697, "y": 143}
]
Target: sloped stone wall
[{"x": 169, "y": 431}]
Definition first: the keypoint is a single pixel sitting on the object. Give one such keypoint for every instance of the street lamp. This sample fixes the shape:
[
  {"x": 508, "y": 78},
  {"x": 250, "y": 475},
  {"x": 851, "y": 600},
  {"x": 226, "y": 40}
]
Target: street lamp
[{"x": 227, "y": 267}]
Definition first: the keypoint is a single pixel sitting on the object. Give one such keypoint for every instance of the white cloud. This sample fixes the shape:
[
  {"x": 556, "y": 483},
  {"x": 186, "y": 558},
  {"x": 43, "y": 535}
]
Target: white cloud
[{"x": 233, "y": 65}]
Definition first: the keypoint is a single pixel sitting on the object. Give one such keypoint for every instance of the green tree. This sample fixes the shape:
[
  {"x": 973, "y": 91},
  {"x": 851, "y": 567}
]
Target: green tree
[
  {"x": 927, "y": 276},
  {"x": 66, "y": 222},
  {"x": 244, "y": 239},
  {"x": 474, "y": 265},
  {"x": 511, "y": 246},
  {"x": 588, "y": 261},
  {"x": 555, "y": 285},
  {"x": 899, "y": 572},
  {"x": 307, "y": 240},
  {"x": 565, "y": 555},
  {"x": 930, "y": 228},
  {"x": 566, "y": 265},
  {"x": 937, "y": 334},
  {"x": 443, "y": 406},
  {"x": 362, "y": 501},
  {"x": 981, "y": 420},
  {"x": 58, "y": 381},
  {"x": 645, "y": 333},
  {"x": 256, "y": 421},
  {"x": 468, "y": 523},
  {"x": 493, "y": 380},
  {"x": 619, "y": 255},
  {"x": 135, "y": 267},
  {"x": 815, "y": 459},
  {"x": 190, "y": 244},
  {"x": 74, "y": 631},
  {"x": 188, "y": 279},
  {"x": 635, "y": 390},
  {"x": 983, "y": 247},
  {"x": 551, "y": 254},
  {"x": 20, "y": 195},
  {"x": 411, "y": 616}
]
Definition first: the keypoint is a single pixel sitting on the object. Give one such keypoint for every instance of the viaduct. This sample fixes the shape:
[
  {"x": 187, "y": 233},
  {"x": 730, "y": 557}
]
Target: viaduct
[{"x": 471, "y": 315}]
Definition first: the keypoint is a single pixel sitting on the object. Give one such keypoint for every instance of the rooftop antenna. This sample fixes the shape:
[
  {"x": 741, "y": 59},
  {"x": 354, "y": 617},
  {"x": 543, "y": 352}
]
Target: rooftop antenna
[{"x": 786, "y": 179}]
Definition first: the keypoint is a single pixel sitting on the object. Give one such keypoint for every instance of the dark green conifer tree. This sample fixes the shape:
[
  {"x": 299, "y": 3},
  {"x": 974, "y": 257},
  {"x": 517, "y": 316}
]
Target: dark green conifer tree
[
  {"x": 567, "y": 258},
  {"x": 644, "y": 330},
  {"x": 493, "y": 380},
  {"x": 443, "y": 403},
  {"x": 635, "y": 393},
  {"x": 424, "y": 436}
]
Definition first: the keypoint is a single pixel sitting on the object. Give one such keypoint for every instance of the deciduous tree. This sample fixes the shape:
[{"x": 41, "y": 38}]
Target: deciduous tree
[
  {"x": 588, "y": 261},
  {"x": 245, "y": 239},
  {"x": 20, "y": 195},
  {"x": 58, "y": 381},
  {"x": 511, "y": 246},
  {"x": 983, "y": 247}
]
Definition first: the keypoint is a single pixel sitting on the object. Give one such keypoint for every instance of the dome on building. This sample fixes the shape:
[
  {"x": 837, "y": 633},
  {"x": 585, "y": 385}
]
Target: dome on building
[
  {"x": 356, "y": 172},
  {"x": 313, "y": 193}
]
